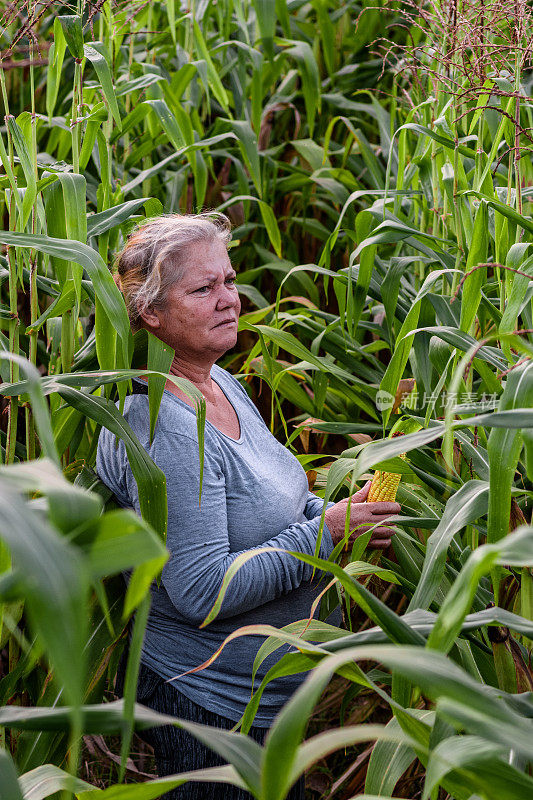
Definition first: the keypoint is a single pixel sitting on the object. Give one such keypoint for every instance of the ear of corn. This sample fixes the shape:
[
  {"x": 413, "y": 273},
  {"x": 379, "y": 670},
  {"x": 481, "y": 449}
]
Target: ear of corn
[{"x": 384, "y": 486}]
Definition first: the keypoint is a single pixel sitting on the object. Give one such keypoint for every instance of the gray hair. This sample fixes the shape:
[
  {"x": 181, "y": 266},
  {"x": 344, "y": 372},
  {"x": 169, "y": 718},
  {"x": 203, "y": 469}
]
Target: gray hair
[{"x": 155, "y": 256}]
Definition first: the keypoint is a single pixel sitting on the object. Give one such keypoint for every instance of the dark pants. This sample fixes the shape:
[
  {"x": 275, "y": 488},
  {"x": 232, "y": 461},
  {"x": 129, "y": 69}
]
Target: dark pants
[{"x": 178, "y": 751}]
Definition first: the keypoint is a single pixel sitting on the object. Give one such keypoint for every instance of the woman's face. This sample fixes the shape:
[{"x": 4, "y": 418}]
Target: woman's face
[{"x": 200, "y": 316}]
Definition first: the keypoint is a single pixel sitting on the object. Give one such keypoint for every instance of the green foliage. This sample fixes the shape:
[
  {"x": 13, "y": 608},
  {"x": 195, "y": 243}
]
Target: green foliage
[{"x": 379, "y": 245}]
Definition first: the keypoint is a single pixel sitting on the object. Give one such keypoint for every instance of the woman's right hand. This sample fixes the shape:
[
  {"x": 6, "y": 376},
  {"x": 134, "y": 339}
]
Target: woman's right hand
[{"x": 363, "y": 515}]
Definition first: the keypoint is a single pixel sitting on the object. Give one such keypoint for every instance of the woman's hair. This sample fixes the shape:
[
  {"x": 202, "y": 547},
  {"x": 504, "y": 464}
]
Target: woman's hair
[{"x": 155, "y": 256}]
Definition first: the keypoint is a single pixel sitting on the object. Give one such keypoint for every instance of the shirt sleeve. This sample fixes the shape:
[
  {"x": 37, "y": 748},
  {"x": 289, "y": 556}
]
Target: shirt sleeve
[
  {"x": 111, "y": 465},
  {"x": 314, "y": 505},
  {"x": 198, "y": 541}
]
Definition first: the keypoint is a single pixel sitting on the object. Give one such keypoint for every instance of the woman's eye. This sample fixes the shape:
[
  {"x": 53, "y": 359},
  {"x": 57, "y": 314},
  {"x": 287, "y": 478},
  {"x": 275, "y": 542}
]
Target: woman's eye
[{"x": 208, "y": 286}]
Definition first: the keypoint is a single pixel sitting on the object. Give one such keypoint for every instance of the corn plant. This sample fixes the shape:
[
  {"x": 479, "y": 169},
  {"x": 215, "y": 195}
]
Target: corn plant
[{"x": 379, "y": 193}]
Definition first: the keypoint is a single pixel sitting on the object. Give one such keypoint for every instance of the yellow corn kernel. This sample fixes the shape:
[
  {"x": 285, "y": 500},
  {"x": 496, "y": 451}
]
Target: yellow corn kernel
[{"x": 384, "y": 486}]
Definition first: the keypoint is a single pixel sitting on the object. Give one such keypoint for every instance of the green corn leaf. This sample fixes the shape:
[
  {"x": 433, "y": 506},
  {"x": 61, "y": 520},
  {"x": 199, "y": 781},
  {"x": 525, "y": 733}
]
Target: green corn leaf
[
  {"x": 94, "y": 53},
  {"x": 357, "y": 460},
  {"x": 55, "y": 65},
  {"x": 38, "y": 403},
  {"x": 247, "y": 141},
  {"x": 74, "y": 193},
  {"x": 327, "y": 742},
  {"x": 327, "y": 33},
  {"x": 465, "y": 506},
  {"x": 446, "y": 141},
  {"x": 497, "y": 138},
  {"x": 68, "y": 505},
  {"x": 100, "y": 223},
  {"x": 59, "y": 306},
  {"x": 464, "y": 342},
  {"x": 485, "y": 765},
  {"x": 460, "y": 598},
  {"x": 214, "y": 80},
  {"x": 152, "y": 789},
  {"x": 440, "y": 679},
  {"x": 372, "y": 163},
  {"x": 150, "y": 479},
  {"x": 56, "y": 226},
  {"x": 6, "y": 163},
  {"x": 424, "y": 621},
  {"x": 108, "y": 718},
  {"x": 131, "y": 680},
  {"x": 73, "y": 33},
  {"x": 142, "y": 82},
  {"x": 118, "y": 540},
  {"x": 21, "y": 149},
  {"x": 48, "y": 779},
  {"x": 160, "y": 357},
  {"x": 482, "y": 101},
  {"x": 168, "y": 123},
  {"x": 515, "y": 289},
  {"x": 105, "y": 413},
  {"x": 55, "y": 584},
  {"x": 268, "y": 216},
  {"x": 396, "y": 366},
  {"x": 302, "y": 53},
  {"x": 389, "y": 760},
  {"x": 92, "y": 380},
  {"x": 171, "y": 14},
  {"x": 282, "y": 760},
  {"x": 265, "y": 11},
  {"x": 289, "y": 664},
  {"x": 310, "y": 630},
  {"x": 287, "y": 341},
  {"x": 477, "y": 254},
  {"x": 363, "y": 226},
  {"x": 106, "y": 290},
  {"x": 516, "y": 551},
  {"x": 160, "y": 165},
  {"x": 509, "y": 213},
  {"x": 392, "y": 231},
  {"x": 9, "y": 785},
  {"x": 504, "y": 448},
  {"x": 394, "y": 626},
  {"x": 65, "y": 423},
  {"x": 91, "y": 133}
]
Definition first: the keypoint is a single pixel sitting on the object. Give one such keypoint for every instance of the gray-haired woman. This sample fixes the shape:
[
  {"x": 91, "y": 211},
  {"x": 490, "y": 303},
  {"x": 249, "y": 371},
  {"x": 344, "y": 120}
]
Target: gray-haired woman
[{"x": 179, "y": 284}]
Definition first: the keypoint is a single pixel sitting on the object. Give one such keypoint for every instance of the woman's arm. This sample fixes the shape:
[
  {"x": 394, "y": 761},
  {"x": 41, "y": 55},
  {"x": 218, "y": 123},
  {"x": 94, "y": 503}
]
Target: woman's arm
[
  {"x": 314, "y": 505},
  {"x": 197, "y": 539}
]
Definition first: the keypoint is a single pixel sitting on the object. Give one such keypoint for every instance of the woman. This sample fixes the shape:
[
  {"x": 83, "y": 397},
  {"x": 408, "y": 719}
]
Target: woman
[{"x": 178, "y": 283}]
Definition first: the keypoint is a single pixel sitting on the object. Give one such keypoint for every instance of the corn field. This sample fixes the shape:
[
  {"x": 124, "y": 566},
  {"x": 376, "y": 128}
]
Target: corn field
[{"x": 375, "y": 161}]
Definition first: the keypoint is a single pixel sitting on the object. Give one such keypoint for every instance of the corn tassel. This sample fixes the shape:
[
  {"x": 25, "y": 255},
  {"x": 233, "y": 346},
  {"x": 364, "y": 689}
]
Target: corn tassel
[{"x": 384, "y": 486}]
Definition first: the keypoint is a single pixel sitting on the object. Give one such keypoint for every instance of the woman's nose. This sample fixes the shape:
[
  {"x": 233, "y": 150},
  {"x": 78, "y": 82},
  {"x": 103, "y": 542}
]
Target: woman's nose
[{"x": 229, "y": 296}]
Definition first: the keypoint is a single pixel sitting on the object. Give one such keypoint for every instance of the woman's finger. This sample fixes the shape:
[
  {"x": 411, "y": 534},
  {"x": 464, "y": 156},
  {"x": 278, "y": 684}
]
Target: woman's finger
[
  {"x": 383, "y": 530},
  {"x": 361, "y": 494},
  {"x": 384, "y": 507},
  {"x": 377, "y": 531},
  {"x": 381, "y": 517},
  {"x": 379, "y": 544}
]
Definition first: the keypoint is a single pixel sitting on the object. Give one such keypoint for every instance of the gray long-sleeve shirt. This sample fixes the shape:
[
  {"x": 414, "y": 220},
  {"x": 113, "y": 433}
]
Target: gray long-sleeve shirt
[{"x": 255, "y": 494}]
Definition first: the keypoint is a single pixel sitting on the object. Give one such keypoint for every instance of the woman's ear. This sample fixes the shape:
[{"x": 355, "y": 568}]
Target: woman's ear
[{"x": 151, "y": 317}]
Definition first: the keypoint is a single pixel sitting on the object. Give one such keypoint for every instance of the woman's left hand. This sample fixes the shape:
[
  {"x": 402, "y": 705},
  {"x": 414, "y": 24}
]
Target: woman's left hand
[{"x": 363, "y": 516}]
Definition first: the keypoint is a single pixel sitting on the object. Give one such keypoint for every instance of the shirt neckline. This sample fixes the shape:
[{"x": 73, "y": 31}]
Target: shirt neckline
[{"x": 240, "y": 440}]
